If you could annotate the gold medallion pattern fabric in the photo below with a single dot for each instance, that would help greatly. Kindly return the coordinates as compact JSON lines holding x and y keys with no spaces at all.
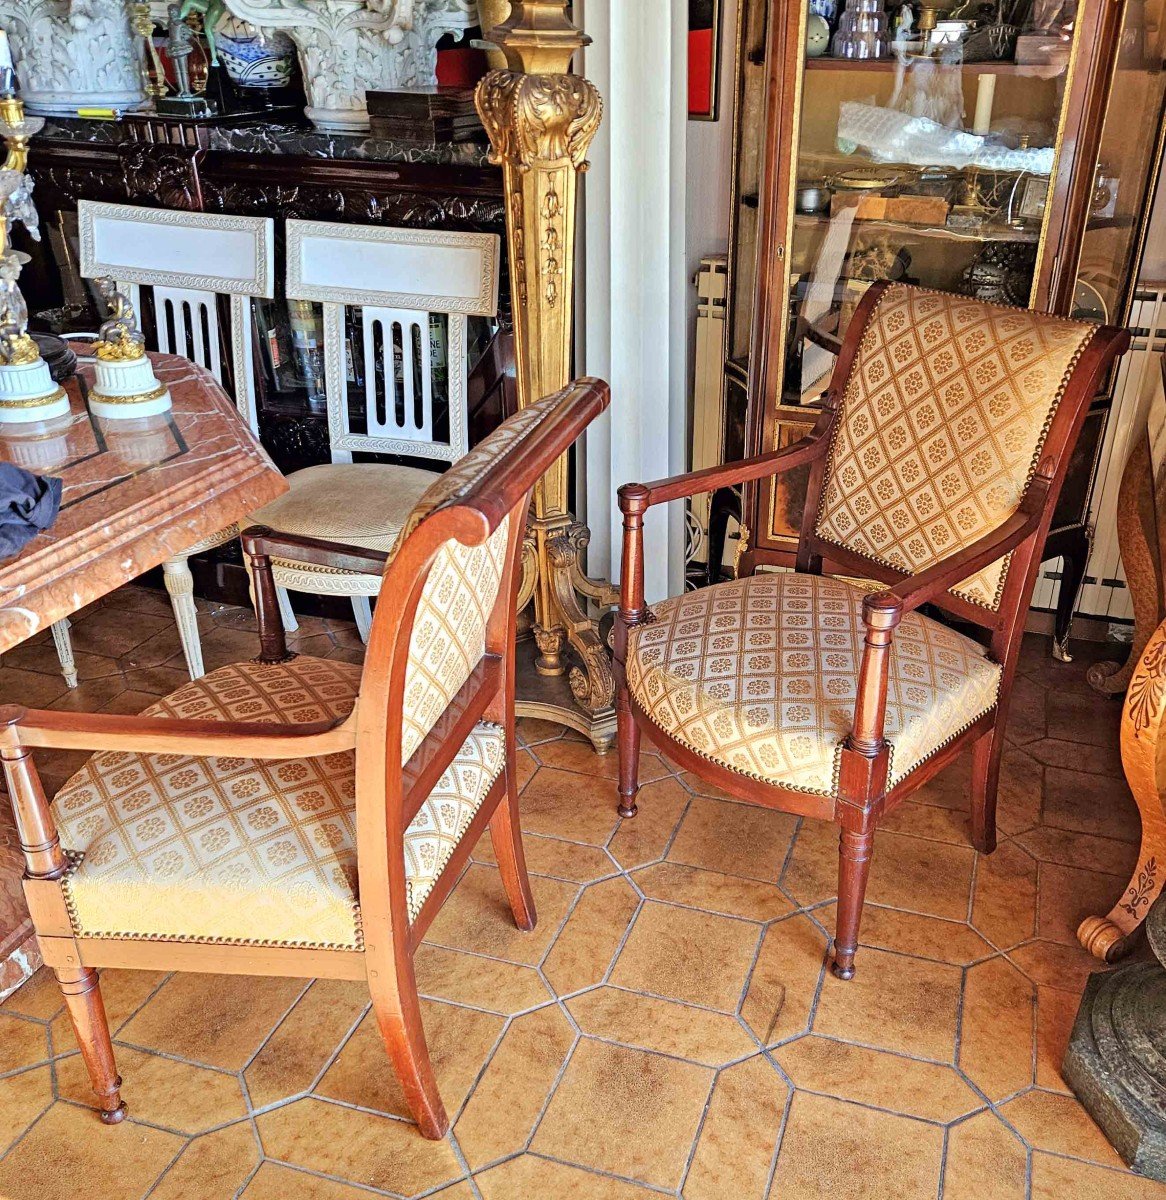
{"x":241,"y":850}
{"x":761,"y":674}
{"x":943,"y":422}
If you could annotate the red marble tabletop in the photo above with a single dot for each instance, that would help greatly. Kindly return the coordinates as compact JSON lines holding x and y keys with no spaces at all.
{"x":136,"y":492}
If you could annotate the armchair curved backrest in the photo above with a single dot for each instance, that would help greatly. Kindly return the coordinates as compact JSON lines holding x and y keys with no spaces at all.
{"x":441,"y":650}
{"x":950,"y":412}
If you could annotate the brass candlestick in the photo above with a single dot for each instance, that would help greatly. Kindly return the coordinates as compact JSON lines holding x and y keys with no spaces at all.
{"x":541,"y":120}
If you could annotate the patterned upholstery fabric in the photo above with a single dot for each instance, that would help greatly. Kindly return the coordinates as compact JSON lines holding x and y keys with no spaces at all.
{"x":944,"y":419}
{"x":232,"y":849}
{"x":760,"y":675}
{"x":448,"y":639}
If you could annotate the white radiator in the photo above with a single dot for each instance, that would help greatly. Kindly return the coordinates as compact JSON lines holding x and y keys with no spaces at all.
{"x":1139,"y":377}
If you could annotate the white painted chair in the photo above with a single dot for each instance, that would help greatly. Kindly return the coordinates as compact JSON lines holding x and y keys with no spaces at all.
{"x":402,"y":278}
{"x":189,"y":260}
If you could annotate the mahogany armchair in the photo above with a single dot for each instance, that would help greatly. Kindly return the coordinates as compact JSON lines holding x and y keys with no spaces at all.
{"x":935,"y":466}
{"x":305,"y":817}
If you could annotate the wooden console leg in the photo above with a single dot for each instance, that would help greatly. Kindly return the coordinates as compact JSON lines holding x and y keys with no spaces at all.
{"x":628,"y":733}
{"x":87,"y":1012}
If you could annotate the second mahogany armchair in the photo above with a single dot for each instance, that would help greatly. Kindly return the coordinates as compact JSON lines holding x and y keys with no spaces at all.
{"x":935,"y":466}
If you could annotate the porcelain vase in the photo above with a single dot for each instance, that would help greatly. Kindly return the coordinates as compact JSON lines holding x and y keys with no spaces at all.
{"x":350,"y":47}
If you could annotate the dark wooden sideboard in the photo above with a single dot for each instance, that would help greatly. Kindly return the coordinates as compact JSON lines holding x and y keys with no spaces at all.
{"x":282,"y":168}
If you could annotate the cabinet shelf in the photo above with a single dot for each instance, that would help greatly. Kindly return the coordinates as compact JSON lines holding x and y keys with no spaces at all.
{"x":1021,"y":70}
{"x":990,"y":233}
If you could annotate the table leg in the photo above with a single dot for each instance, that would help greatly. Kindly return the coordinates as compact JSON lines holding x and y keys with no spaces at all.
{"x":1142,"y":722}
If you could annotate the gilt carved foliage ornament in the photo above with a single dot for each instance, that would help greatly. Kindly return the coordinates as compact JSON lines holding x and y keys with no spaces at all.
{"x":539,"y":118}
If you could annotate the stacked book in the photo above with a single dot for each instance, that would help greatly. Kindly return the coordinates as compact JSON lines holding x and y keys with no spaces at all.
{"x":424,"y":115}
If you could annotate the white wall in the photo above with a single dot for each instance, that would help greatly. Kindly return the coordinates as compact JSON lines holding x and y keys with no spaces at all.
{"x":633,"y":305}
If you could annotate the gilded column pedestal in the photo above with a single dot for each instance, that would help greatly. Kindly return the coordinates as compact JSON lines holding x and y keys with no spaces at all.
{"x":541,"y":120}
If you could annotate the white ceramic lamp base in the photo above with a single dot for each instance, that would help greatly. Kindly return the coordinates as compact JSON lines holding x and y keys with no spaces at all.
{"x":28,"y":393}
{"x":123,"y":390}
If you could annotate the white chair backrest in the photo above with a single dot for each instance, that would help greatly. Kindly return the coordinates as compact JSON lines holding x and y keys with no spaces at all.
{"x":188,"y":259}
{"x":402,"y":278}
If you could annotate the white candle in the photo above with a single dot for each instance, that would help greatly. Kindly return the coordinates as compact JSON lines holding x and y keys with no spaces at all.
{"x":5,"y":52}
{"x":985,"y":94}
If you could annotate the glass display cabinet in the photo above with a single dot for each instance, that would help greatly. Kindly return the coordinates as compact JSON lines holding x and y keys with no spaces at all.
{"x":1005,"y":151}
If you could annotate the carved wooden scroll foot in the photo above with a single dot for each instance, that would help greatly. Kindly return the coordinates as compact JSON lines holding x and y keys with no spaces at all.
{"x":1142,"y":724}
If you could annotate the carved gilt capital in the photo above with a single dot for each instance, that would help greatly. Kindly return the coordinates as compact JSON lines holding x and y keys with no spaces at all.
{"x":549,"y":119}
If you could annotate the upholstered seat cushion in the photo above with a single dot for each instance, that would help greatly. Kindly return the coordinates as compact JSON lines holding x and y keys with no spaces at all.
{"x":360,"y":504}
{"x":233,"y":849}
{"x":760,"y":675}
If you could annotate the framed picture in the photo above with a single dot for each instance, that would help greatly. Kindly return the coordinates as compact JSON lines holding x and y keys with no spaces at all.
{"x":704,"y":52}
{"x":1034,"y":194}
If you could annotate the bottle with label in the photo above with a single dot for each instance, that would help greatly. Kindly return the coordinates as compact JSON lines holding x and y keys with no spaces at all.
{"x":307,"y":337}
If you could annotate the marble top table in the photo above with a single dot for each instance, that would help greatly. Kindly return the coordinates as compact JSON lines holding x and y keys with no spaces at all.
{"x":136,"y":493}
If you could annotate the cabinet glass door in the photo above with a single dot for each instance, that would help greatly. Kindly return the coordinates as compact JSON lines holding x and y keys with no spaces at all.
{"x":927,"y":142}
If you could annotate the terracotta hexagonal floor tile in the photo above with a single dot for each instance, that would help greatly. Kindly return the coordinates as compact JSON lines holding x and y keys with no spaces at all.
{"x":583,"y":952}
{"x":1018,"y":803}
{"x":833,"y":1148}
{"x":1109,"y":855}
{"x":920,"y":875}
{"x":811,"y":874}
{"x":894,"y":1003}
{"x":556,"y":858}
{"x":785,"y":979}
{"x":477,"y":917}
{"x":644,"y":838}
{"x":1057,"y":1123}
{"x":734,"y":1152}
{"x":219,"y":1020}
{"x":1094,"y":804}
{"x":567,"y":805}
{"x":478,"y":982}
{"x":39,"y":997}
{"x":460,"y":1042}
{"x":893,"y":1082}
{"x":122,"y":993}
{"x":513,"y":1090}
{"x":174,"y":1095}
{"x":733,"y":838}
{"x":573,"y":753}
{"x":1054,"y":964}
{"x":23,"y":1043}
{"x":1065,"y":1179}
{"x":74,"y":1154}
{"x":664,"y":1026}
{"x":1004,"y":898}
{"x":694,"y":957}
{"x":997,"y":1028}
{"x":216,"y":1164}
{"x":529,"y":1175}
{"x":356,"y":1146}
{"x":928,"y":821}
{"x":710,"y":891}
{"x":305,"y":1040}
{"x":1055,"y":1013}
{"x":647,"y":1106}
{"x":920,"y":936}
{"x":275,"y":1182}
{"x":984,"y":1159}
{"x":1069,"y":895}
{"x":23,"y":1098}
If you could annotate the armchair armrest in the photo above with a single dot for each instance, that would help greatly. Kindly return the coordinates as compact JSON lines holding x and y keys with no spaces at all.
{"x":22,"y":728}
{"x":945,"y":574}
{"x":259,"y":540}
{"x":639,"y":497}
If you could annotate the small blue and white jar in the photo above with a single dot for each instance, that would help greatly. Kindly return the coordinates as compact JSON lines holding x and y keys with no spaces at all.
{"x":254,"y":57}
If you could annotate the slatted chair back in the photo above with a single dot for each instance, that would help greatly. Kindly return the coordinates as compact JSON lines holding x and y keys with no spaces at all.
{"x":187,"y":260}
{"x":416,"y":290}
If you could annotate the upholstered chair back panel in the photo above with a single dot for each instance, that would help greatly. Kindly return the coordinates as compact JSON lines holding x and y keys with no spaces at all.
{"x":944,"y":419}
{"x":449,"y":630}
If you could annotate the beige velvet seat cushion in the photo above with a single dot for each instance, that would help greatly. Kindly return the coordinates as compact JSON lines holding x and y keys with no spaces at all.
{"x":237,"y":850}
{"x":359,"y":504}
{"x":760,"y":675}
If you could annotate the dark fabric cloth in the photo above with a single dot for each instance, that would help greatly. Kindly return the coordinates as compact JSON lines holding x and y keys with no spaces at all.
{"x":28,"y":504}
